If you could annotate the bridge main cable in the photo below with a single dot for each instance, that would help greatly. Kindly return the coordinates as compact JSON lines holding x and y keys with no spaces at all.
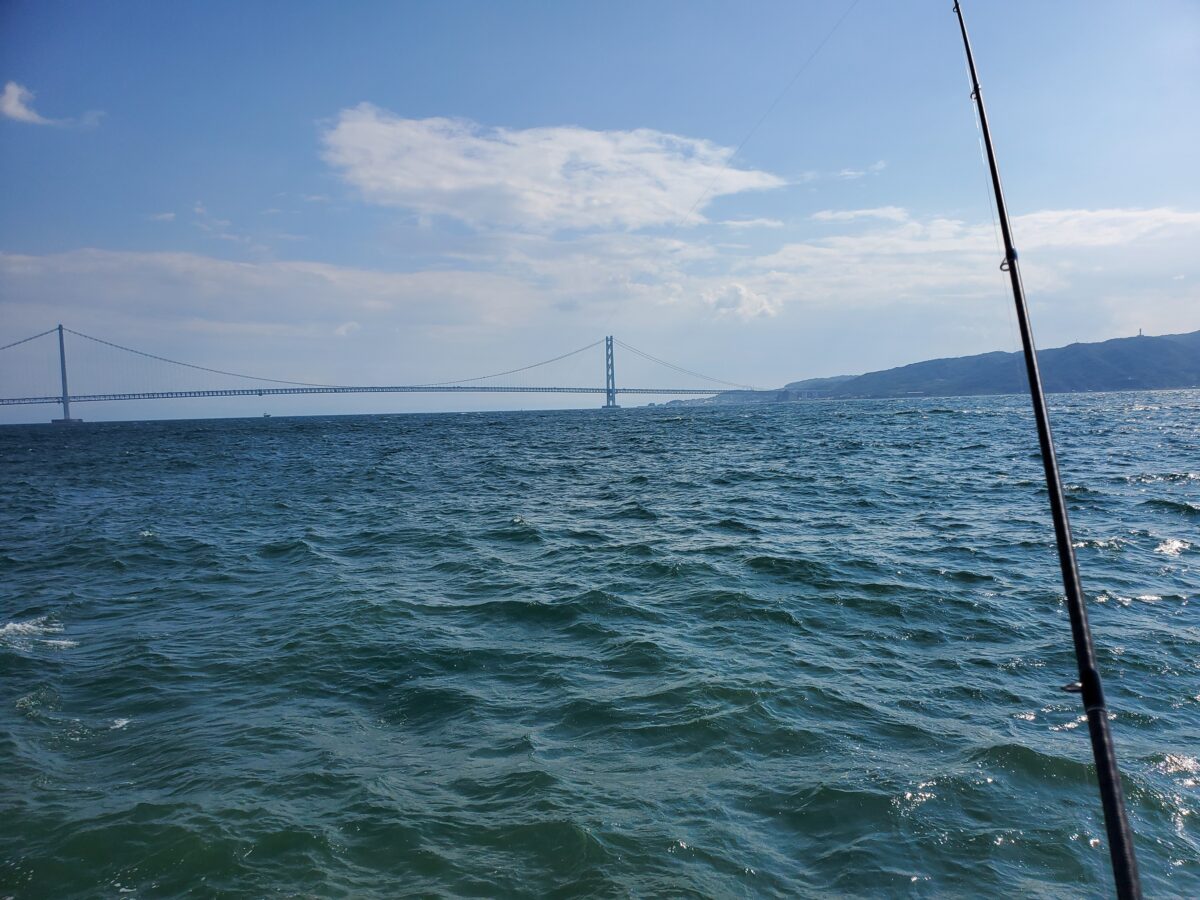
{"x":28,"y":339}
{"x":663,"y":362}
{"x":176,"y":362}
{"x":545,"y":362}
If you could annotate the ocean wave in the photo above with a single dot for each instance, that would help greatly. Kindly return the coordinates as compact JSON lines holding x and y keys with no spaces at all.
{"x":1182,"y":507}
{"x":33,"y":632}
{"x":1172,"y":547}
{"x":1113,"y":543}
{"x":518,"y":531}
{"x":636,"y":511}
{"x":806,"y":571}
{"x":809,"y":652}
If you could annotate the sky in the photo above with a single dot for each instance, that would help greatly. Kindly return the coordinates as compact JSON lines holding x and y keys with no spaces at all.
{"x":412,"y":192}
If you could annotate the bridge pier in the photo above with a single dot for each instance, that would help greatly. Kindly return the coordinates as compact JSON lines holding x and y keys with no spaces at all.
{"x":610,"y":377}
{"x":66,"y":396}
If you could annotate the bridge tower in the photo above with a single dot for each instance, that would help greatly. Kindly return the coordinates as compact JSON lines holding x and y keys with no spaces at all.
{"x":66,"y":396}
{"x":610,"y":377}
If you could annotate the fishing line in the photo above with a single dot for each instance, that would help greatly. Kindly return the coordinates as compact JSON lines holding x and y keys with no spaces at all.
{"x":1014,"y":341}
{"x":749,"y":134}
{"x":770,"y":109}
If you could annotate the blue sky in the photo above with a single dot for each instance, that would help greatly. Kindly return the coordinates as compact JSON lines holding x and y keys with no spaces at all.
{"x":424,"y":191}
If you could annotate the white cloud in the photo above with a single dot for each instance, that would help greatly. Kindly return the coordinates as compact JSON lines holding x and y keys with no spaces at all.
{"x":891,"y":213}
{"x":537,"y":179}
{"x":854,"y":174}
{"x":752,"y":223}
{"x":17,"y":103}
{"x":301,"y":295}
{"x":1099,"y":227}
{"x":161,"y":217}
{"x":1088,"y":253}
{"x":737,"y":299}
{"x":1110,"y":269}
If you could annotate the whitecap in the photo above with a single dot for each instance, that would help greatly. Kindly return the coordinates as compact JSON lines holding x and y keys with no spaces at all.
{"x":118,"y":724}
{"x":1068,"y":726}
{"x":1177,"y":763}
{"x":20,"y":635}
{"x":1172,"y":547}
{"x":1113,"y":543}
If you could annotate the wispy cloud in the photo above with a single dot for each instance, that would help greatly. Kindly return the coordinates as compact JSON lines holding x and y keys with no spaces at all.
{"x":16,"y":102}
{"x":890,"y":213}
{"x":222,"y":229}
{"x":298,"y":294}
{"x":1085,"y":254}
{"x":752,"y":223}
{"x":1111,"y":267}
{"x":161,"y":217}
{"x":536,"y":179}
{"x":853,"y":174}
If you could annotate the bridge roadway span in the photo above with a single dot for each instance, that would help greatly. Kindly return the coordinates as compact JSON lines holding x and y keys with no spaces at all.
{"x":368,"y":389}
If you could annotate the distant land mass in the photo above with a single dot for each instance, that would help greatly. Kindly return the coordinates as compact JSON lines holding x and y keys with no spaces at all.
{"x":1141,"y":363}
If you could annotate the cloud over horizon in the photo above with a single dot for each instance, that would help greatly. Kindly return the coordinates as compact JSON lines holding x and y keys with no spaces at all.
{"x":898,"y":261}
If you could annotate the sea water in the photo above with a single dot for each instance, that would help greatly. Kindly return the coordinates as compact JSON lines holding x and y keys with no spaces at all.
{"x":805,"y":649}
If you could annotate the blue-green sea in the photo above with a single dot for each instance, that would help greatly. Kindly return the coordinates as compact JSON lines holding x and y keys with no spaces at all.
{"x":800,"y":650}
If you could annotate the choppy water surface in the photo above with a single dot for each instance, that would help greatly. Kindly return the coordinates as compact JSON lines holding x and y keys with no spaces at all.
{"x":808,"y":649}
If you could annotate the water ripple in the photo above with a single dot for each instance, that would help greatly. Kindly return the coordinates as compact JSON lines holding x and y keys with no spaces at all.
{"x":793,"y":650}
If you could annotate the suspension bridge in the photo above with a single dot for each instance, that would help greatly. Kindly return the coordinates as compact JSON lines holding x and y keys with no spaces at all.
{"x":257,"y":386}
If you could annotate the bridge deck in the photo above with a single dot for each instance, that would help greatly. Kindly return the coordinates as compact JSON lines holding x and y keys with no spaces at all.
{"x":351,"y":389}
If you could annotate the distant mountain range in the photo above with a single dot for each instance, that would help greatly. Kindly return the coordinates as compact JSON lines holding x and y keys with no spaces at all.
{"x":1122,"y":364}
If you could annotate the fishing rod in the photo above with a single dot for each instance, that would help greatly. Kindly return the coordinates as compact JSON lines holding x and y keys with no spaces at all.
{"x":1120,"y":837}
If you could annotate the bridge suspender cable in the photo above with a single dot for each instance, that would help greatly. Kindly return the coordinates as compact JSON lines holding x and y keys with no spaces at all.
{"x":1120,"y":838}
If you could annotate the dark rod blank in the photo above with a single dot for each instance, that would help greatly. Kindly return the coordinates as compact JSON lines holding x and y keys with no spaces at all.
{"x":1120,"y":838}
